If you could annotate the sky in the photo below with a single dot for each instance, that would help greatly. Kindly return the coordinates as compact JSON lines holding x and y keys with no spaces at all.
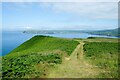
{"x":59,"y":15}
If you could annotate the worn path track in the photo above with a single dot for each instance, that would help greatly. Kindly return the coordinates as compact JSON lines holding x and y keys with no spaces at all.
{"x":75,"y":66}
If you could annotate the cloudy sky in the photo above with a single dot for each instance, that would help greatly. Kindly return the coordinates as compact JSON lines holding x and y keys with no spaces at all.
{"x":59,"y":15}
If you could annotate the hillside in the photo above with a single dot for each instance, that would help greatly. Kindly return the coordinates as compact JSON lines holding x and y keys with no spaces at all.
{"x":112,"y":32}
{"x":103,"y":55}
{"x":51,"y":57}
{"x":39,"y":51}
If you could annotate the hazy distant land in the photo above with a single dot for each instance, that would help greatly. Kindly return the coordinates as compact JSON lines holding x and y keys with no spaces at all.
{"x":111,"y":32}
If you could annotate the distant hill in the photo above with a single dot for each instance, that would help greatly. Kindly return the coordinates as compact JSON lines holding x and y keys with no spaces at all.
{"x":52,"y":31}
{"x":111,"y":32}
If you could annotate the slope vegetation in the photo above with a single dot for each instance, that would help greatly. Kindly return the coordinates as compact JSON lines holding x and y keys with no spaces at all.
{"x":32,"y":58}
{"x":104,"y":55}
{"x":50,"y":57}
{"x":75,"y":66}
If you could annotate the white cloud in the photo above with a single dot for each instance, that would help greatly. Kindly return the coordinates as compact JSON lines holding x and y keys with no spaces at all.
{"x":106,"y":10}
{"x":91,"y":9}
{"x":94,"y":10}
{"x":87,"y":27}
{"x":28,"y":27}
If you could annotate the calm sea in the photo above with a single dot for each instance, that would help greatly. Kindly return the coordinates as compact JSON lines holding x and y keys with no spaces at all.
{"x":12,"y":39}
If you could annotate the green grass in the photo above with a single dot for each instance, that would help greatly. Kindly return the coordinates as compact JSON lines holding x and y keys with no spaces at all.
{"x":104,"y":55}
{"x":25,"y":65}
{"x":45,"y":43}
{"x":33,"y":57}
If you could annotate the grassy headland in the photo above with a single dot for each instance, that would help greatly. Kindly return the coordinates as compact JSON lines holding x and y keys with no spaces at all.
{"x":38,"y":57}
{"x":32,"y":58}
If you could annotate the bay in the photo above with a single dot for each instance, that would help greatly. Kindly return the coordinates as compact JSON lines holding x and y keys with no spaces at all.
{"x":12,"y":39}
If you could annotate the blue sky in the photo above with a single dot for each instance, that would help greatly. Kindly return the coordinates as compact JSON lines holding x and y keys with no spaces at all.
{"x":57,"y":16}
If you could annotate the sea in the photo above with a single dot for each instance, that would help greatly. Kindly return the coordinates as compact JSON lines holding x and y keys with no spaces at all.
{"x":12,"y":39}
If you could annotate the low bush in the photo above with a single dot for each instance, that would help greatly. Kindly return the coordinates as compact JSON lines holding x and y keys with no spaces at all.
{"x":18,"y":67}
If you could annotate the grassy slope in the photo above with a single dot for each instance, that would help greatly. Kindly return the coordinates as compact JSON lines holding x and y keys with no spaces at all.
{"x":32,"y":58}
{"x":45,"y":43}
{"x":38,"y":58}
{"x":81,"y":65}
{"x":75,"y":66}
{"x":104,"y":54}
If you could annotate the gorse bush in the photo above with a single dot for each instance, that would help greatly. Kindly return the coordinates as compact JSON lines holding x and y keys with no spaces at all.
{"x":104,"y":55}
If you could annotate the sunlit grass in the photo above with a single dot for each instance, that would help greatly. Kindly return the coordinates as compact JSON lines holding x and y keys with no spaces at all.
{"x":104,"y":55}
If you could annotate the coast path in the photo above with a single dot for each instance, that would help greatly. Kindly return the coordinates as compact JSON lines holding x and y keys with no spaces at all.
{"x":75,"y":66}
